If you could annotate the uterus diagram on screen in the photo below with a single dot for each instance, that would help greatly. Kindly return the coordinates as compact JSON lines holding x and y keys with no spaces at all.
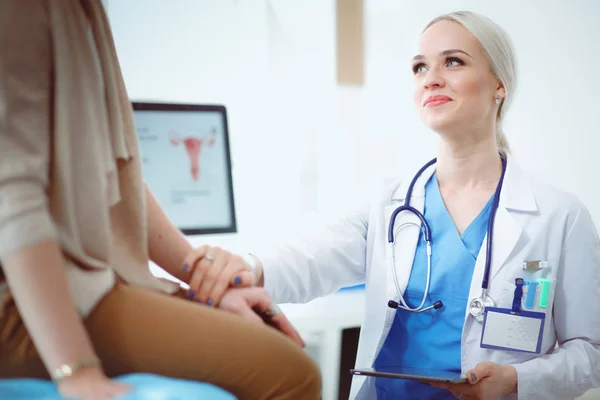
{"x":193,"y":146}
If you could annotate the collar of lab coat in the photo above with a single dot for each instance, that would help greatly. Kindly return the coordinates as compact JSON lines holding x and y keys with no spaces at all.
{"x":517,"y":193}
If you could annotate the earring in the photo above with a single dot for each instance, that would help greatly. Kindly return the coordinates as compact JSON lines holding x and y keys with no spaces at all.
{"x":497,"y":99}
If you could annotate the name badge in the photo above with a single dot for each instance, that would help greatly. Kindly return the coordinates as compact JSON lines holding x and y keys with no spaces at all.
{"x":505,"y":329}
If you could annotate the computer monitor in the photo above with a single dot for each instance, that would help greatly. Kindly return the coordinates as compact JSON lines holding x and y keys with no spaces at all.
{"x":186,"y":164}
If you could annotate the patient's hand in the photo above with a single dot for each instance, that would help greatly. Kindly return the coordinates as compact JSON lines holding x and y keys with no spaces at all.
{"x":212,"y":271}
{"x":91,"y":384}
{"x":254,"y":304}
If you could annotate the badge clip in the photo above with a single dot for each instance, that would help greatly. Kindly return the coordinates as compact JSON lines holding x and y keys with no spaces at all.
{"x":516,"y":306}
{"x":534,"y":265}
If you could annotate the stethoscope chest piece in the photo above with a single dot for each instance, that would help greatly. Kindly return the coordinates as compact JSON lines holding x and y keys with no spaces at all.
{"x":478,"y":305}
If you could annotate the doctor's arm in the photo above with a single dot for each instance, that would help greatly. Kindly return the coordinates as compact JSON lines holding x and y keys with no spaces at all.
{"x":574,"y":366}
{"x":300,"y":271}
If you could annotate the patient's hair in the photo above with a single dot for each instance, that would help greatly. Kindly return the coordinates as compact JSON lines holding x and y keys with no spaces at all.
{"x":500,"y":54}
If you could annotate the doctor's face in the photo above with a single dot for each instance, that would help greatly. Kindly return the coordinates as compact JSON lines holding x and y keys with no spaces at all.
{"x":455,"y":88}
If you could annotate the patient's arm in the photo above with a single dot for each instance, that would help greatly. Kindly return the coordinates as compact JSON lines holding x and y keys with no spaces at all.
{"x":208,"y":279}
{"x":166,"y":244}
{"x":37,"y":278}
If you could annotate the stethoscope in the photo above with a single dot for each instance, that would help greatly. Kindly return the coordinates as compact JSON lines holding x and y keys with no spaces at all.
{"x":477,"y":305}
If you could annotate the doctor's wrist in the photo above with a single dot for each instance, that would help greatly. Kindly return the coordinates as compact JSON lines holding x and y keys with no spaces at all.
{"x":511,"y":378}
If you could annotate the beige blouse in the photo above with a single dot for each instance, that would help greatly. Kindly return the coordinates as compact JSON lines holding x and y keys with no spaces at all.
{"x":69,"y":161}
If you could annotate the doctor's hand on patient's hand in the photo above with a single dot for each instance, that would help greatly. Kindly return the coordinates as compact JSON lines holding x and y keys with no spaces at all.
{"x":255,"y":305}
{"x":211,"y":271}
{"x":486,"y":381}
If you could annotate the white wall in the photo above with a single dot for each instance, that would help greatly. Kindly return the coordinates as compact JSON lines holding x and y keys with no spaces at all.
{"x":302,"y":145}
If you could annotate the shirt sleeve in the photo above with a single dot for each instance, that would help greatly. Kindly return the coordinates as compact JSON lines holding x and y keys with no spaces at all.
{"x":25,"y":118}
{"x":306,"y":268}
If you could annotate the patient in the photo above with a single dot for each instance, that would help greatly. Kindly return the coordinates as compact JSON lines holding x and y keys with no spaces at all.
{"x":78,"y":227}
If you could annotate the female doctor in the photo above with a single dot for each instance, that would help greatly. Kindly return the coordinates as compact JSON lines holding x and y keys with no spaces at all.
{"x":495,"y":234}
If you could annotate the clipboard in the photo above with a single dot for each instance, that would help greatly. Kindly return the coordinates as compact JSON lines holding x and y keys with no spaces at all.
{"x":416,"y":374}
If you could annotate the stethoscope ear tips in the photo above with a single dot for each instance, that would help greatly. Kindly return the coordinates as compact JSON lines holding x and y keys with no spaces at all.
{"x":394,"y":304}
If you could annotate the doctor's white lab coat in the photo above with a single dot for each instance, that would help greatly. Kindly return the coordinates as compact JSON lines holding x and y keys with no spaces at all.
{"x":533,"y":222}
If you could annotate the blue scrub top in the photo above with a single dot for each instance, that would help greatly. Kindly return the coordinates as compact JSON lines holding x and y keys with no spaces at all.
{"x":432,"y":339}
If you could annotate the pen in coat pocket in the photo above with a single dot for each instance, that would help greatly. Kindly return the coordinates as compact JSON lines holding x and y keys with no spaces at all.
{"x":531,"y":294}
{"x":545,"y":292}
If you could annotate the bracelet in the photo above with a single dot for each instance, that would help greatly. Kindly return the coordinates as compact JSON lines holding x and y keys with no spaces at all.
{"x":67,"y":370}
{"x":250,"y":259}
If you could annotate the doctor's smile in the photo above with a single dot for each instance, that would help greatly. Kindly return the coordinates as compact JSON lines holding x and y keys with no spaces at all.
{"x":433,"y":101}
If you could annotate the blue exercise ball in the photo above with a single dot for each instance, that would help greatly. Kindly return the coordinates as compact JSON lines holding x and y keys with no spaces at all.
{"x":145,"y":387}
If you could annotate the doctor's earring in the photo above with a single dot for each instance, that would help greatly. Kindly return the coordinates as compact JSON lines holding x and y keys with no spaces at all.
{"x":497,"y":99}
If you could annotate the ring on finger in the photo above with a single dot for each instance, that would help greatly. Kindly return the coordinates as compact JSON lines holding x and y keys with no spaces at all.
{"x":209,"y":257}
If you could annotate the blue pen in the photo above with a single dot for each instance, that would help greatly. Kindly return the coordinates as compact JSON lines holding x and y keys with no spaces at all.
{"x":516,"y":307}
{"x":531,"y":292}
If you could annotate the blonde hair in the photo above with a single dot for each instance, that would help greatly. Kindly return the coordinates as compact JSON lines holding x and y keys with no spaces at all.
{"x":501,"y":58}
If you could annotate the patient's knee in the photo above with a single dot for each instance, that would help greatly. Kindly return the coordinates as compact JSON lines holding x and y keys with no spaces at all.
{"x":308,"y":380}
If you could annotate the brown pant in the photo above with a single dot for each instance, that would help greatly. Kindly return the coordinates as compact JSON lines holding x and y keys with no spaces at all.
{"x":135,"y":330}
